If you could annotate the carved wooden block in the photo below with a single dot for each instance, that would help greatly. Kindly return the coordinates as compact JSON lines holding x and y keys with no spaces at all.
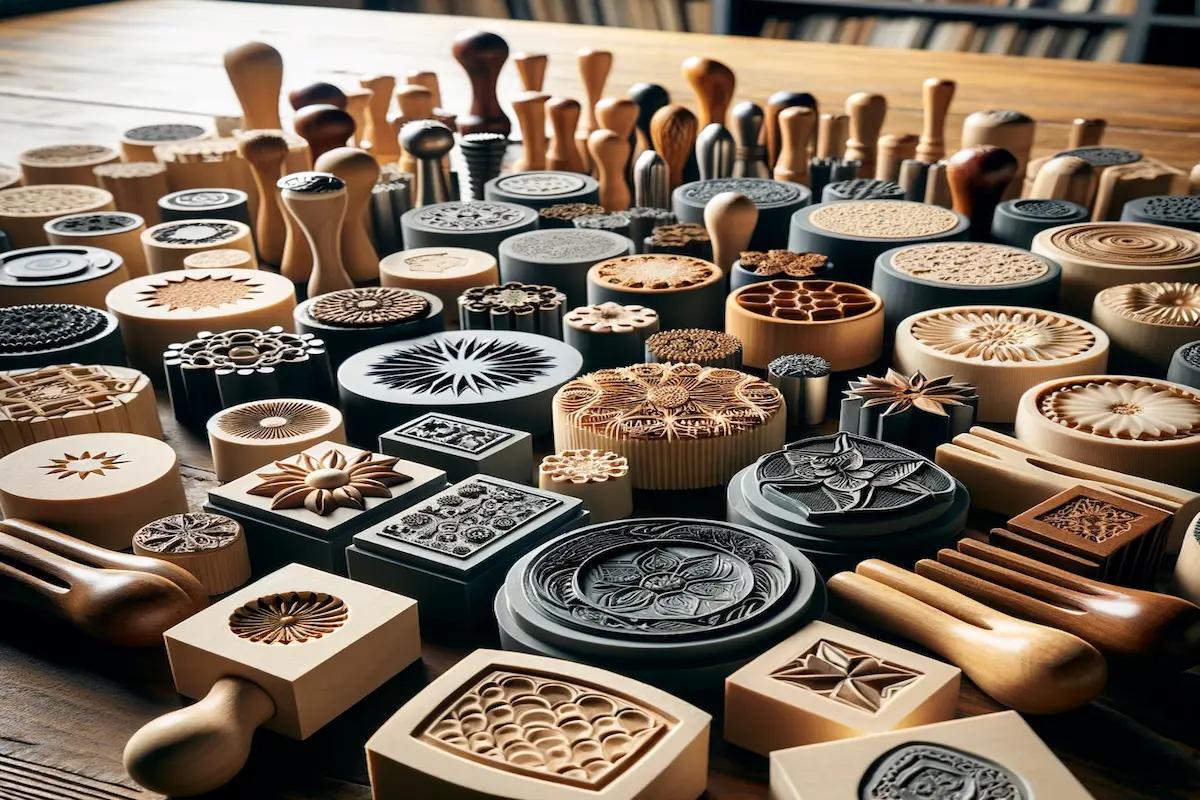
{"x":599,"y":478}
{"x":69,"y":164}
{"x":59,"y":274}
{"x":1007,"y":476}
{"x":1000,"y":350}
{"x":462,"y":447}
{"x":305,"y":508}
{"x":826,"y":683}
{"x":609,"y":335}
{"x":451,"y":552}
{"x":58,"y":333}
{"x":445,"y":272}
{"x":681,"y":426}
{"x":135,"y":187}
{"x":98,"y":487}
{"x":560,"y":258}
{"x":209,"y":546}
{"x":350,"y":320}
{"x":996,"y":755}
{"x":1140,"y":426}
{"x":694,"y":346}
{"x":1097,"y":255}
{"x":50,"y":402}
{"x":243,"y":437}
{"x":686,"y":292}
{"x":1147,"y":323}
{"x":841,"y":322}
{"x":159,"y":310}
{"x":627,"y":740}
{"x":117,"y":232}
{"x":25,"y":210}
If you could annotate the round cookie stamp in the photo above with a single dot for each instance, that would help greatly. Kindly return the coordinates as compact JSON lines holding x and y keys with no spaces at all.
{"x":777,"y":201}
{"x":543,"y":188}
{"x":686,"y":292}
{"x":1147,"y":323}
{"x":58,"y":333}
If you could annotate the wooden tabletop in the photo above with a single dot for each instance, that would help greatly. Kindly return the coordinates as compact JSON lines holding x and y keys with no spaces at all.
{"x":67,"y":705}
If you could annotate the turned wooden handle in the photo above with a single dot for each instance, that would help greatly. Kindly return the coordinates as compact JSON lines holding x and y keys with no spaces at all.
{"x":564,"y":119}
{"x":324,"y":127}
{"x":978,"y":178}
{"x":618,"y":114}
{"x":936,"y":94}
{"x":730,"y":218}
{"x":867,"y":112}
{"x":776,"y":105}
{"x":795,"y":131}
{"x":893,"y":149}
{"x":202,"y":746}
{"x":482,"y":56}
{"x":714,"y":84}
{"x":256,"y":72}
{"x":320,"y":217}
{"x":530,"y":110}
{"x":1066,"y":178}
{"x":594,"y":66}
{"x":266,"y":154}
{"x":531,"y":67}
{"x":427,"y":79}
{"x":832,"y":131}
{"x":414,"y":101}
{"x":673,"y":132}
{"x":360,"y":172}
{"x":379,"y":138}
{"x":610,"y":151}
{"x":1086,"y":133}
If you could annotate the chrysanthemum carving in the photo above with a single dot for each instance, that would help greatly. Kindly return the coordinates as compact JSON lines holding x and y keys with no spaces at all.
{"x":273,"y":419}
{"x":1156,"y":303}
{"x":331,"y":482}
{"x":611,"y":318}
{"x":584,"y":466}
{"x":289,"y":618}
{"x":1140,"y":410}
{"x":900,"y":394}
{"x":1004,"y":335}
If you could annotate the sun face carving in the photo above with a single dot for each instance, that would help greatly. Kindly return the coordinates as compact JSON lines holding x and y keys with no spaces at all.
{"x":193,"y":294}
{"x":1003,"y":335}
{"x":289,"y":618}
{"x":1141,"y":410}
{"x":329,"y":483}
{"x":1156,"y":303}
{"x":83,"y":465}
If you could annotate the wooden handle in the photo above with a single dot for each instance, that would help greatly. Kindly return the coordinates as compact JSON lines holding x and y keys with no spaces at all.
{"x":324,"y":128}
{"x":832,"y":131}
{"x":714,"y":84}
{"x":866,"y":112}
{"x":673,"y":132}
{"x":318,"y":94}
{"x":649,"y":97}
{"x":482,"y":56}
{"x":893,"y":150}
{"x":256,"y":72}
{"x":594,"y":66}
{"x":1086,"y":133}
{"x":77,"y":550}
{"x":936,"y":95}
{"x":266,"y":153}
{"x":795,"y":131}
{"x":1066,"y":178}
{"x":610,"y":151}
{"x":429,"y":80}
{"x":203,"y":746}
{"x":414,"y":102}
{"x":730,"y":218}
{"x":360,"y":172}
{"x":776,"y":105}
{"x":531,"y":67}
{"x":564,"y":119}
{"x":320,"y":218}
{"x":978,"y":178}
{"x":617,"y":114}
{"x":530,"y":110}
{"x":378,"y":138}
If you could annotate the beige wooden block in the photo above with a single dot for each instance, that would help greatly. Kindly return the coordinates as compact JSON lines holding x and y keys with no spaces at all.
{"x":1148,"y":322}
{"x":47,"y":403}
{"x":1000,"y":350}
{"x":1007,"y":477}
{"x":118,"y":232}
{"x":64,"y":163}
{"x":993,"y":756}
{"x":167,"y":244}
{"x":1187,"y":567}
{"x":313,"y":669}
{"x":25,"y":210}
{"x":825,"y":683}
{"x":211,"y":547}
{"x":245,"y":437}
{"x":135,"y":187}
{"x":99,"y":487}
{"x":158,"y":310}
{"x":553,"y":730}
{"x":445,"y":272}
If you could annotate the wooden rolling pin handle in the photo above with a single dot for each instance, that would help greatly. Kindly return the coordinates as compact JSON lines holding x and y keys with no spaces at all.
{"x":949,"y":602}
{"x":202,"y":746}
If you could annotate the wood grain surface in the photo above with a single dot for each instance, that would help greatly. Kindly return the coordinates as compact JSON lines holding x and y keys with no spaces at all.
{"x":68,"y":704}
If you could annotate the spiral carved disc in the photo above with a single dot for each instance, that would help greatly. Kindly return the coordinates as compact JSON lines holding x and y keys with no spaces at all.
{"x":1128,"y":244}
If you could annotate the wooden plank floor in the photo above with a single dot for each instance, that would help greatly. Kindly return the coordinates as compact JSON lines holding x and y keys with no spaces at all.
{"x":67,"y":705}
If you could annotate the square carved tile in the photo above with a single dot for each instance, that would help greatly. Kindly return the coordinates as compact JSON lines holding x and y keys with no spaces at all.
{"x":1125,"y":539}
{"x":525,"y":727}
{"x":826,"y":682}
{"x":462,"y":447}
{"x":995,"y":756}
{"x":316,"y":643}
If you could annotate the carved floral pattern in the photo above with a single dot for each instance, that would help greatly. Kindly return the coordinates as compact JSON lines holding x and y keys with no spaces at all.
{"x":1003,"y":335}
{"x":473,"y":216}
{"x":847,"y":675}
{"x":1140,"y":410}
{"x":668,"y":581}
{"x":273,"y":419}
{"x":331,"y":482}
{"x":368,"y":307}
{"x":1156,"y":303}
{"x":187,"y":533}
{"x":611,"y":318}
{"x":289,"y":618}
{"x":1092,"y":519}
{"x":655,"y":271}
{"x":584,"y":466}
{"x":900,"y":393}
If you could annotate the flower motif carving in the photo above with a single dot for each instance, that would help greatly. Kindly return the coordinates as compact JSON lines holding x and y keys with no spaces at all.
{"x":289,"y":618}
{"x":331,"y":482}
{"x":900,"y":393}
{"x":460,"y":366}
{"x":668,"y":401}
{"x":1139,"y":410}
{"x":847,"y":675}
{"x":273,"y":419}
{"x":923,"y":771}
{"x":1092,"y":519}
{"x":1003,"y":335}
{"x":655,"y":271}
{"x":83,"y":465}
{"x":584,"y":466}
{"x":666,"y":582}
{"x":612,"y":318}
{"x":368,"y":307}
{"x":1156,"y":303}
{"x":188,"y":533}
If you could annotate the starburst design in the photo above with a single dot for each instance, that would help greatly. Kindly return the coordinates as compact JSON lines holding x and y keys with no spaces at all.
{"x":459,"y":366}
{"x":187,"y":533}
{"x":368,"y":307}
{"x":900,"y":394}
{"x":331,"y":482}
{"x":83,"y":464}
{"x":1140,"y":410}
{"x":289,"y":618}
{"x":273,"y":419}
{"x":193,"y":294}
{"x":1156,"y":303}
{"x":847,"y":675}
{"x":1004,"y":335}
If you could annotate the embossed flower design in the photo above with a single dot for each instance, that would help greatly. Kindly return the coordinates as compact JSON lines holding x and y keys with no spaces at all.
{"x":1156,"y":303}
{"x":1126,"y":410}
{"x":289,"y":618}
{"x":187,"y":533}
{"x":902,"y":393}
{"x":331,"y":482}
{"x":584,"y":466}
{"x":1003,"y":335}
{"x":1094,"y":520}
{"x":666,"y":584}
{"x":369,"y":306}
{"x":847,"y":675}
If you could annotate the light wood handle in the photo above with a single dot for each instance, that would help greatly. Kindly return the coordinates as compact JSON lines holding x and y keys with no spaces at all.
{"x":378,"y":138}
{"x":414,"y":102}
{"x":795,"y":131}
{"x":531,"y":67}
{"x":776,"y":105}
{"x":430,"y":81}
{"x":673,"y":132}
{"x":950,"y":602}
{"x":1066,"y":178}
{"x":714,"y":84}
{"x":1086,"y":133}
{"x":320,"y":218}
{"x":594,"y":66}
{"x":256,"y":72}
{"x":618,"y":114}
{"x":530,"y":110}
{"x":562,"y":154}
{"x":360,"y":172}
{"x":610,"y":151}
{"x":893,"y":150}
{"x":867,"y":112}
{"x":832,"y":131}
{"x":730,"y":218}
{"x":936,"y":94}
{"x":203,"y":746}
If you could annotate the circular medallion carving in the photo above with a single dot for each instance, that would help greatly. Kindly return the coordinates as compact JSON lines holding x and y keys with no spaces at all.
{"x":884,"y":219}
{"x":1142,"y":410}
{"x":289,"y":618}
{"x":762,"y":191}
{"x":1125,"y":244}
{"x":541,"y":184}
{"x":656,"y":271}
{"x":969,"y":264}
{"x":473,"y":216}
{"x":368,"y":307}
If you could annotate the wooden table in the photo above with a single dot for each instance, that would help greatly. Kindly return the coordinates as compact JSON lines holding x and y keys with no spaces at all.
{"x":67,"y":705}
